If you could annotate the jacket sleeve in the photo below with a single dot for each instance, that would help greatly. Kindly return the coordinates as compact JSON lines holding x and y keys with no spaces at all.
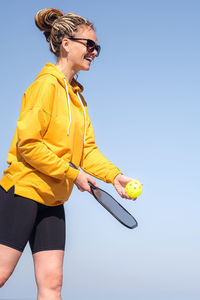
{"x":93,"y":161}
{"x":31,"y":127}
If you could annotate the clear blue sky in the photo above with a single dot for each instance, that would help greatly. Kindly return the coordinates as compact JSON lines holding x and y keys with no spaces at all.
{"x":143,"y":97}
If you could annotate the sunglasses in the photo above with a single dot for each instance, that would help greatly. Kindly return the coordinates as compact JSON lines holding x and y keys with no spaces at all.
{"x":91,"y":46}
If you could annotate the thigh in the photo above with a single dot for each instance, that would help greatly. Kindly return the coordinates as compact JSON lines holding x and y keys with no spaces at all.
{"x":48,"y":267}
{"x":8,"y":260}
{"x":49,"y":229}
{"x":17,"y":218}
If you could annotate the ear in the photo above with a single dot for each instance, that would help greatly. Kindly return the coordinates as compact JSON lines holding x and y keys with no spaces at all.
{"x":65,"y":44}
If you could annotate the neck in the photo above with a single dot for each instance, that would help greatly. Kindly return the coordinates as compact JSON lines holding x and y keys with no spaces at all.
{"x":66,"y":69}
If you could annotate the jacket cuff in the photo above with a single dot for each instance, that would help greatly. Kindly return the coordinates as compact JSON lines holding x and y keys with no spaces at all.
{"x":113,"y":175}
{"x":72,"y":173}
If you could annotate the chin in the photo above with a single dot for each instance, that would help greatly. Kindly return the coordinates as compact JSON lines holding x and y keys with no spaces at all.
{"x":86,"y":68}
{"x":83,"y":67}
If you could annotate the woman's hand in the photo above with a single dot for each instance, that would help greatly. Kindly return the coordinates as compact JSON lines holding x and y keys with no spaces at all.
{"x":120,"y":183}
{"x":81,"y":182}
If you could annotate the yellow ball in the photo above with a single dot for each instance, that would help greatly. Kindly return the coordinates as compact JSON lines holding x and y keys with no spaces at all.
{"x":133,"y":188}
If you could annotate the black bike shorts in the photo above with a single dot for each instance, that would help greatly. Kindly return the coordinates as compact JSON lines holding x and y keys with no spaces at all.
{"x":23,"y":220}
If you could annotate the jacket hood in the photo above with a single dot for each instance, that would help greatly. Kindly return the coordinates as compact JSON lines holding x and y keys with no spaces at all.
{"x":49,"y":68}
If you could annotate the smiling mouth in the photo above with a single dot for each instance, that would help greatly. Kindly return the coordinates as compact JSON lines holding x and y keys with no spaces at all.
{"x":88,"y":59}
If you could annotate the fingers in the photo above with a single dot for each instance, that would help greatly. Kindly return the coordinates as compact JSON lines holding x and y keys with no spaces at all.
{"x":82,"y":182}
{"x":84,"y":187}
{"x":120,"y":183}
{"x":91,"y":180}
{"x":124,"y":195}
{"x":120,"y":188}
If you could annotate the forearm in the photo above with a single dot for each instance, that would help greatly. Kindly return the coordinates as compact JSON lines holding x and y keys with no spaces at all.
{"x":41,"y":158}
{"x":95,"y":164}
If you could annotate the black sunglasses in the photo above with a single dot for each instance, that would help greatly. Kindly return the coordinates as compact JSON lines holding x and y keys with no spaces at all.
{"x":91,"y":46}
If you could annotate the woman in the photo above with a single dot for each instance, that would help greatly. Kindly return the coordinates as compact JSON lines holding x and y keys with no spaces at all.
{"x":53,"y":130}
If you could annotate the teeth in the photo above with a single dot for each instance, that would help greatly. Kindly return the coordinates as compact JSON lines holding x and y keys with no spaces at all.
{"x":88,"y":58}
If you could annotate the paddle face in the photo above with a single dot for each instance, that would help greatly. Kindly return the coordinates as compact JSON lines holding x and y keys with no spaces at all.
{"x":111,"y":205}
{"x":116,"y":209}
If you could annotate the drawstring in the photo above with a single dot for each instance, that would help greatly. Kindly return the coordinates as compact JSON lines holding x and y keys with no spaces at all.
{"x":84,"y":113}
{"x":68,"y":101}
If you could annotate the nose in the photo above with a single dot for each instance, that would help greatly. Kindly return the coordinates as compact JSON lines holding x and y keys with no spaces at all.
{"x":95,"y":52}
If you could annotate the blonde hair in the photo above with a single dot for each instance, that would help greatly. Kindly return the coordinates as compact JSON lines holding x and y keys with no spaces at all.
{"x":55,"y":26}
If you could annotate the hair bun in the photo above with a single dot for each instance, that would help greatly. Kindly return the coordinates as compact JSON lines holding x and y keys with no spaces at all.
{"x":55,"y":26}
{"x":45,"y":18}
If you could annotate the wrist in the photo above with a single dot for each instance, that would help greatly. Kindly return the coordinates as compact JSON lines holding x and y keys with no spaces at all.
{"x":117,"y":177}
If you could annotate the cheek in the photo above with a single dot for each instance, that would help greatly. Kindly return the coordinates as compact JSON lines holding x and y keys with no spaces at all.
{"x":79,"y":55}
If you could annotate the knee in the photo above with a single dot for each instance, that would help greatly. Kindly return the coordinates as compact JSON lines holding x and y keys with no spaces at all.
{"x":52,"y":281}
{"x":55,"y":281}
{"x":3,"y":278}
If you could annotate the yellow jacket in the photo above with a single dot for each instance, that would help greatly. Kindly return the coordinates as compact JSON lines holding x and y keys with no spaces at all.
{"x":53,"y":130}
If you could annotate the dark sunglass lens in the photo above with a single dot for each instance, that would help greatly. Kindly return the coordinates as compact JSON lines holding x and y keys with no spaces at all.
{"x":98,"y":48}
{"x":91,"y":46}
